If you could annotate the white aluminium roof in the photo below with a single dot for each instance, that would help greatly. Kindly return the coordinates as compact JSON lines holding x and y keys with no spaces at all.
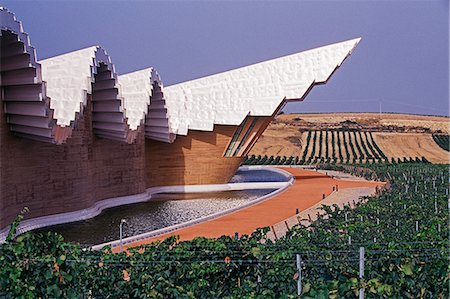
{"x":69,"y":79}
{"x":227,"y":98}
{"x":60,"y":87}
{"x":136,"y":90}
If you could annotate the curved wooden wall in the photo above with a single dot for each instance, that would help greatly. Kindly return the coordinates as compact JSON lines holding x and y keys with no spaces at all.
{"x":197,"y":158}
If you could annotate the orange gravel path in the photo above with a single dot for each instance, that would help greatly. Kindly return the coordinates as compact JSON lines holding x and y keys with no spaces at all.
{"x":306,"y":191}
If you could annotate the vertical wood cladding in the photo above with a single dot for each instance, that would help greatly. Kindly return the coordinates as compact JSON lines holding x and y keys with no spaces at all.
{"x":197,"y":158}
{"x":52,"y":179}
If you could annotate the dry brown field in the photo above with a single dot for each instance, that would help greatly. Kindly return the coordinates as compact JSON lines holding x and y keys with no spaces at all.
{"x":397,"y":135}
{"x":411,"y":145}
{"x":409,"y":121}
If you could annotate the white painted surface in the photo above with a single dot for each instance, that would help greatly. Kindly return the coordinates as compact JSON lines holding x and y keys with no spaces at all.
{"x":223,"y":99}
{"x":137,"y":91}
{"x":227,"y":98}
{"x":69,"y":79}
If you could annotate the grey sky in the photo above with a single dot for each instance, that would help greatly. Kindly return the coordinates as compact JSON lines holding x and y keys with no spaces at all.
{"x":402,"y":60}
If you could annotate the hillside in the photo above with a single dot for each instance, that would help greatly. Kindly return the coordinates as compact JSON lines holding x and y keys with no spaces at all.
{"x":352,"y":137}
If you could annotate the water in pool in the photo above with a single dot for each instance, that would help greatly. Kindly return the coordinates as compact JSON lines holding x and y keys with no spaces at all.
{"x":162,"y":211}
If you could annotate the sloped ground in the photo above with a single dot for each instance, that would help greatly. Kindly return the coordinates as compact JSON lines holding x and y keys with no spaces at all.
{"x":411,"y":145}
{"x":281,"y":140}
{"x":397,"y":135}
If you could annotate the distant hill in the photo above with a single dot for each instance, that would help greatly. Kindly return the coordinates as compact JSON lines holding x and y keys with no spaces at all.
{"x":355,"y":137}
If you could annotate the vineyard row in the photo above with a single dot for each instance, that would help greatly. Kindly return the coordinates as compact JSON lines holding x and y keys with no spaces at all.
{"x":343,"y":145}
{"x":291,"y":160}
{"x":443,"y":141}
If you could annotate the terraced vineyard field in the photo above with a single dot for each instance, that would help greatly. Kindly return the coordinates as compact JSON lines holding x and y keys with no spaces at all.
{"x":353,"y":138}
{"x":334,"y":146}
{"x":342,"y":145}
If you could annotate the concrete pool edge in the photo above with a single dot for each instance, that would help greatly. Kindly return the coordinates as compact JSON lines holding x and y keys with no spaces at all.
{"x":98,"y":207}
{"x":159,"y":232}
{"x":308,"y":189}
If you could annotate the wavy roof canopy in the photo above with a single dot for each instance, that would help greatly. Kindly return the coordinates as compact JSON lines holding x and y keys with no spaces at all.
{"x":257,"y":90}
{"x":44,"y":99}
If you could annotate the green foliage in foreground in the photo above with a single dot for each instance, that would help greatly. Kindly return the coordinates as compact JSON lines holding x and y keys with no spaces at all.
{"x":401,"y":262}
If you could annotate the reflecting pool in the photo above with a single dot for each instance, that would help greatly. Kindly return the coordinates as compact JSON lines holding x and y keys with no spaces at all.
{"x":163,"y":210}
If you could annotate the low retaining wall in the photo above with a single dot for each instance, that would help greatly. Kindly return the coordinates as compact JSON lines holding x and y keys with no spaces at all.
{"x":98,"y":207}
{"x":156,"y":233}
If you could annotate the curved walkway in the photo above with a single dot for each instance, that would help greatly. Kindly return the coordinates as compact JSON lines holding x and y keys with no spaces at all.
{"x":308,"y":190}
{"x":344,"y":196}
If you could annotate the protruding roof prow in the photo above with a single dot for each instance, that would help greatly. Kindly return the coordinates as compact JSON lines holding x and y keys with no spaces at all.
{"x":258,"y":89}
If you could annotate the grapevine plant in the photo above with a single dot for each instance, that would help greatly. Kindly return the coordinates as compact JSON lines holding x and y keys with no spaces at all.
{"x":404,"y":230}
{"x":443,"y":141}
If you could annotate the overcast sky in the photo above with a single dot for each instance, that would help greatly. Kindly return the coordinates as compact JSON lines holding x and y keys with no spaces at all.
{"x":402,"y":60}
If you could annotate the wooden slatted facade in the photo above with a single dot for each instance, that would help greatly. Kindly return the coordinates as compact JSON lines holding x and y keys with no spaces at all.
{"x":193,"y":159}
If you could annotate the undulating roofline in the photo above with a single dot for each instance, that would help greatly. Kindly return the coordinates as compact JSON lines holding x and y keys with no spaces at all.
{"x":44,"y":99}
{"x":257,"y":90}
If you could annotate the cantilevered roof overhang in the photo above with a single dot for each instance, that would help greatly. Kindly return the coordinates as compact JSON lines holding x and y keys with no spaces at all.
{"x":43,"y":99}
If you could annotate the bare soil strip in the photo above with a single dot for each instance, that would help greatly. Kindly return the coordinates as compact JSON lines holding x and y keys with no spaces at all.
{"x":411,"y":145}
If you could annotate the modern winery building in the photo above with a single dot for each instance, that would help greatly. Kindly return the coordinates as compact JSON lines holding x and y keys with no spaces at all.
{"x":73,"y":132}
